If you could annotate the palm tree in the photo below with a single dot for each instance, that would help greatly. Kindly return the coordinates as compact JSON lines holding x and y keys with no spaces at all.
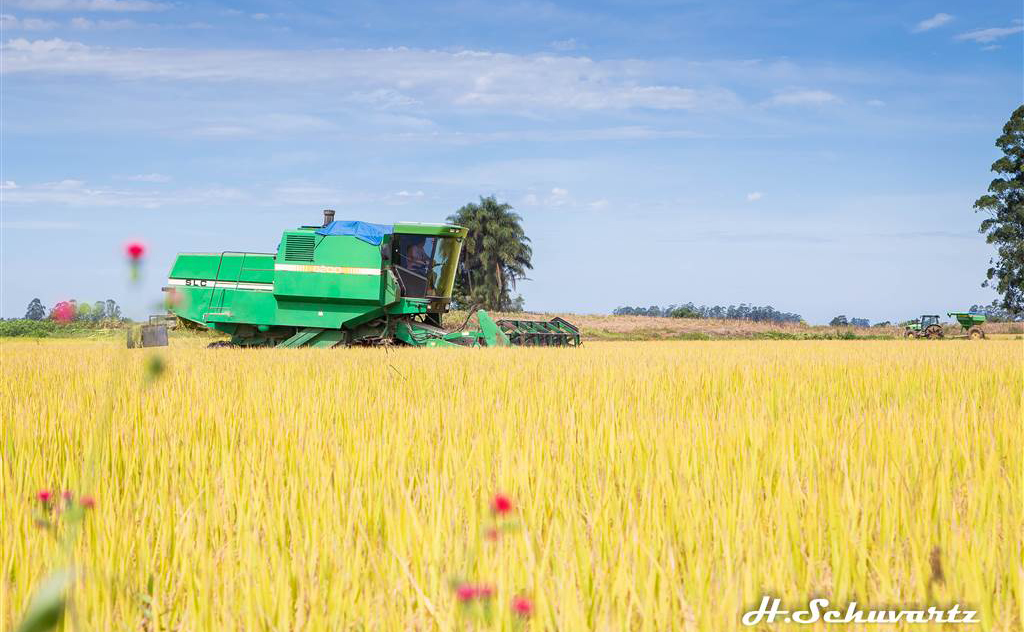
{"x":495,"y":255}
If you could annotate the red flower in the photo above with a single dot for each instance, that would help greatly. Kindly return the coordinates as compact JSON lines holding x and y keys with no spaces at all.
{"x":485,"y":591}
{"x":135,"y":250}
{"x":44,"y":496}
{"x":522,"y":606}
{"x":87,"y":501}
{"x":492,"y":534}
{"x":66,"y":495}
{"x":465,"y":593}
{"x":501,"y":504}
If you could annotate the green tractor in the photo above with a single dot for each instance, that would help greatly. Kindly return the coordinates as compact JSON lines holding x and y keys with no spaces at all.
{"x":343,"y":283}
{"x":927,"y":326}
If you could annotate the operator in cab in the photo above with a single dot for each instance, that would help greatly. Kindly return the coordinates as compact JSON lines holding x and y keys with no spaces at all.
{"x":416,"y":259}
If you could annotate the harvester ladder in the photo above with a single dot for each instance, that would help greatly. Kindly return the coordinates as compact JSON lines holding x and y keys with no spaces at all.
{"x":238,"y":277}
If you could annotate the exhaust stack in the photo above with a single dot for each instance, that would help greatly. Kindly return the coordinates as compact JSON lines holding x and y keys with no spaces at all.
{"x":328,"y":216}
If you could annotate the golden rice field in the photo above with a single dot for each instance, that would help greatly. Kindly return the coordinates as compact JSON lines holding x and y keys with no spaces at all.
{"x":655,"y":486}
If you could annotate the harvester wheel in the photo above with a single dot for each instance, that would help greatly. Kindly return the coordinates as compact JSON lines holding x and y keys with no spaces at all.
{"x":975,"y":333}
{"x":934,"y":331}
{"x":220,"y":344}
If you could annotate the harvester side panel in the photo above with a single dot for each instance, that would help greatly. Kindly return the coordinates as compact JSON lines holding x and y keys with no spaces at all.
{"x":327,"y":283}
{"x":263,"y":308}
{"x":231,"y":266}
{"x":314,"y":267}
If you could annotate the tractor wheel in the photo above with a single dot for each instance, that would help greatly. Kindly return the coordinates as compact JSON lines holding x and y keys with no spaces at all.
{"x":909,"y":334}
{"x":976,"y":333}
{"x":934,"y":332}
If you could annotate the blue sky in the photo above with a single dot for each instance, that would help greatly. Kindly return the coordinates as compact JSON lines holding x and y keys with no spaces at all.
{"x":821,"y":157}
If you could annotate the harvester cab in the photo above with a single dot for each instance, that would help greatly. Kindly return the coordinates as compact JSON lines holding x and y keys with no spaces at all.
{"x":343,"y":283}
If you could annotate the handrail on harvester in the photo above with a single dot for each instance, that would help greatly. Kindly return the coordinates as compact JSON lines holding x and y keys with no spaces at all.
{"x":238,"y":279}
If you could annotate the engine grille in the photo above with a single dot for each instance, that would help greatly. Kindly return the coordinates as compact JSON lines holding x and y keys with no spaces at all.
{"x":299,"y":247}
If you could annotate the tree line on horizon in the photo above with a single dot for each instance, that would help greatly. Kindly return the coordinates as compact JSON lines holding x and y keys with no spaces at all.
{"x":742,"y":311}
{"x":75,"y":311}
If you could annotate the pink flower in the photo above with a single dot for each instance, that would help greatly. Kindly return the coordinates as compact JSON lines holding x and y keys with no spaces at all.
{"x":501,"y":504}
{"x":522,"y":606}
{"x":468,"y":592}
{"x":44,"y":496}
{"x":492,"y":534}
{"x":63,"y":312}
{"x":66,"y":495}
{"x":135,"y":250}
{"x":465,"y":593}
{"x":173,"y":298}
{"x":87,"y":501}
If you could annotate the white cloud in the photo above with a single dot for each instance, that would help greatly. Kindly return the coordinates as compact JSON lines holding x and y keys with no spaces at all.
{"x":382,"y":98}
{"x":223,"y":131}
{"x":628,"y":132}
{"x":40,"y":225}
{"x":8,"y":184}
{"x":77,"y":193}
{"x":13,"y":23}
{"x":558,"y":197}
{"x":934,"y":22}
{"x":259,"y":16}
{"x":307,"y":195}
{"x":565,"y":45}
{"x":754,"y":196}
{"x":85,"y":24}
{"x":90,"y":5}
{"x":876,"y":103}
{"x":410,"y":194}
{"x":148,"y":177}
{"x":264,"y":125}
{"x":984,"y":36}
{"x":35,"y":48}
{"x":803,"y":97}
{"x":398,"y":77}
{"x":599,"y":205}
{"x":63,"y":185}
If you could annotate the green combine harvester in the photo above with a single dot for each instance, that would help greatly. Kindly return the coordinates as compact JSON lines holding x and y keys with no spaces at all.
{"x":343,"y":283}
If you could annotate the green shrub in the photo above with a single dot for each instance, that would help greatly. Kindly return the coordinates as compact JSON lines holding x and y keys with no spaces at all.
{"x":20,"y":327}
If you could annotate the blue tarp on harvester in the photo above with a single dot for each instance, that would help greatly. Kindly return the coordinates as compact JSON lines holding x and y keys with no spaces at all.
{"x":370,"y":233}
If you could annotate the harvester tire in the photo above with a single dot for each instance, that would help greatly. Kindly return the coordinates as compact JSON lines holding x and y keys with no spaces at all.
{"x":976,"y":333}
{"x":220,"y":344}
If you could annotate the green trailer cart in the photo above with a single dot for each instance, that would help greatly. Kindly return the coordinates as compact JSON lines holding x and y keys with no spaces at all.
{"x":343,"y":283}
{"x":970,"y":324}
